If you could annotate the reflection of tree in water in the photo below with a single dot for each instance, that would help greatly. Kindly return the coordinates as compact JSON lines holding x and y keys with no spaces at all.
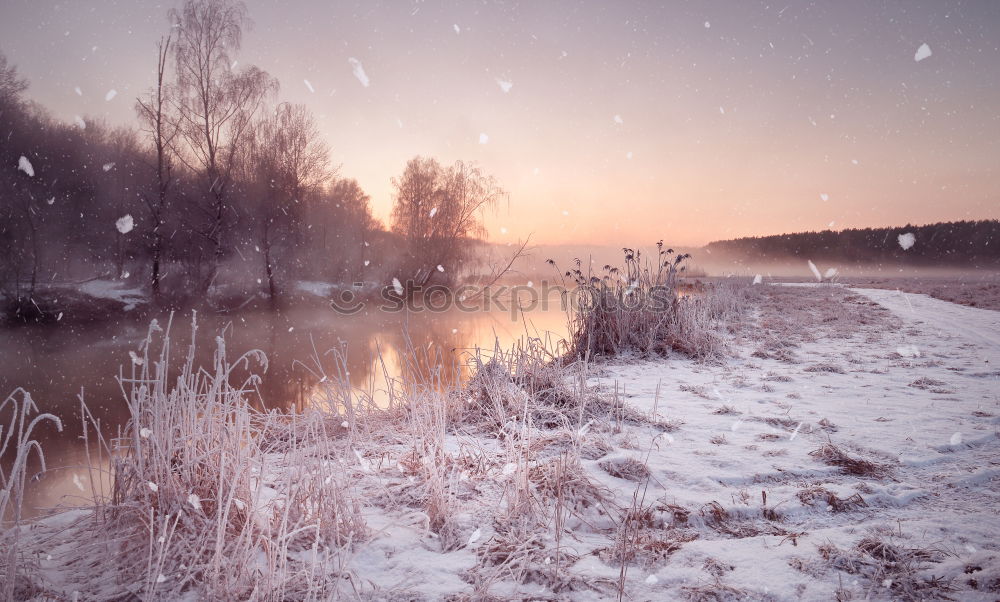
{"x":366,"y":349}
{"x":424,"y":349}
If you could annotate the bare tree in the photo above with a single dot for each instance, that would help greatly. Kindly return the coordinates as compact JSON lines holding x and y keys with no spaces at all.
{"x":215,"y":104}
{"x":286,"y":164}
{"x":12,"y":85}
{"x":339,"y":231}
{"x":438,"y":212}
{"x":19,"y":209}
{"x":155,"y":122}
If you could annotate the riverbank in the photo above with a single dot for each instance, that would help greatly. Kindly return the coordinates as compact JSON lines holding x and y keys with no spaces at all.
{"x":844,"y":448}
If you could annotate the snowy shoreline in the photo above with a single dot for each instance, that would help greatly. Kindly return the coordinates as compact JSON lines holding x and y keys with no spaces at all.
{"x":840,"y":434}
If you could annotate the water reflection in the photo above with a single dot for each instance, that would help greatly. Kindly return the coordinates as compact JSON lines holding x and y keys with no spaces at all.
{"x":57,"y":365}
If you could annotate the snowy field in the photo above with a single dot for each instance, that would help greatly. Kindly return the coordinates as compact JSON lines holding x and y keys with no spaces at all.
{"x":915,"y":393}
{"x":847,"y":449}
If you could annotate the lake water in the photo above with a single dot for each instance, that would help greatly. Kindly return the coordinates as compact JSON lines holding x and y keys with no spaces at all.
{"x":56,"y":363}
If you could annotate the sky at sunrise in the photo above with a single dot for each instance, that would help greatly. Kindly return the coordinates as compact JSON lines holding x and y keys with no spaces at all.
{"x":607,"y":122}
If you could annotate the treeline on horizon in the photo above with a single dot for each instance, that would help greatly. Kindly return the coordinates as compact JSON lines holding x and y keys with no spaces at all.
{"x":972,"y":244}
{"x":219,"y":191}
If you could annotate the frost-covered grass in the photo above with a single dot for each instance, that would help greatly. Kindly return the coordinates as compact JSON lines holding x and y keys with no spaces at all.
{"x":637,"y":308}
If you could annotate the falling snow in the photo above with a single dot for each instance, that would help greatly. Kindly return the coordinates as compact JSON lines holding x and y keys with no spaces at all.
{"x":110,"y":95}
{"x":923,"y":52}
{"x":475,"y":536}
{"x":906,"y":240}
{"x":359,"y":71}
{"x":815,"y":271}
{"x":125,"y":224}
{"x":24,"y":165}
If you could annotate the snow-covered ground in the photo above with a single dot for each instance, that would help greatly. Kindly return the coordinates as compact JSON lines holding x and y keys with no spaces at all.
{"x":114,"y":290}
{"x":847,"y":449}
{"x":916,"y":393}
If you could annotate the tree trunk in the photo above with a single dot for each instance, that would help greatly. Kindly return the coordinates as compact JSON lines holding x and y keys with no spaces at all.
{"x":156,"y":265}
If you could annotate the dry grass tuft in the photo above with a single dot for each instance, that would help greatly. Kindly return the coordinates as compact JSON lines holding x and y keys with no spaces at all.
{"x":813,"y":495}
{"x":637,"y":309}
{"x":827,"y":368}
{"x":832,"y":455}
{"x":720,"y":520}
{"x":16,"y":447}
{"x":887,"y":566}
{"x":925,"y":382}
{"x":629,"y":469}
{"x":647,"y":548}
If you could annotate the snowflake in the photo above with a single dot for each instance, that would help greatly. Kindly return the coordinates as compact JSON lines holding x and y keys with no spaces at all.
{"x":359,"y":71}
{"x":815,"y":271}
{"x":923,"y":52}
{"x":125,"y":224}
{"x":24,"y":165}
{"x":475,"y":536}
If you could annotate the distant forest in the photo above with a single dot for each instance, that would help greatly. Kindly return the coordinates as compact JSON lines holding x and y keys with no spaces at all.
{"x":972,"y":244}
